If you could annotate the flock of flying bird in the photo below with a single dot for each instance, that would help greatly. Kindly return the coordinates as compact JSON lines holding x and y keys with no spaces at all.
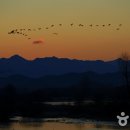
{"x":23,"y":31}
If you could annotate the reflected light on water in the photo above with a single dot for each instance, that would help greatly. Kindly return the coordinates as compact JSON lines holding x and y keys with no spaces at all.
{"x":60,"y":126}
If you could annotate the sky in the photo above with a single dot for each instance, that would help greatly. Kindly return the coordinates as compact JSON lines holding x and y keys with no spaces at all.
{"x":85,"y":43}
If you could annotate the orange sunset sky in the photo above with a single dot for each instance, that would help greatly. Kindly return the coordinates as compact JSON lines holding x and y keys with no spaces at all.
{"x":96,"y":42}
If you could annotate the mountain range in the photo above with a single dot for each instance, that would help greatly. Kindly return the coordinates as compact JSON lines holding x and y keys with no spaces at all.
{"x":53,"y":72}
{"x":39,"y":67}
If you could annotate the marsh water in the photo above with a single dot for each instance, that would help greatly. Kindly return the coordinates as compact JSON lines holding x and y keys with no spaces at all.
{"x":60,"y":124}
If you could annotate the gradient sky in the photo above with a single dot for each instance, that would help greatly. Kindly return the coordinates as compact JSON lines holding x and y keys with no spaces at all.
{"x":72,"y":42}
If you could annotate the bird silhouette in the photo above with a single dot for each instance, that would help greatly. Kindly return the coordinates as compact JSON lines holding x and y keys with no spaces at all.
{"x":118,"y":29}
{"x":52,"y":25}
{"x":21,"y":30}
{"x":81,"y":25}
{"x":55,"y":33}
{"x":71,"y":24}
{"x":39,"y":28}
{"x":12,"y":32}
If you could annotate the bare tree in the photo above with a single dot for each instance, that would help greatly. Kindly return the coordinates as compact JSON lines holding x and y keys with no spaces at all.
{"x":124,"y":68}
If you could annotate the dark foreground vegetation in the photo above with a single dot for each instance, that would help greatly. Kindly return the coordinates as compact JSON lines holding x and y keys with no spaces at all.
{"x":99,"y":103}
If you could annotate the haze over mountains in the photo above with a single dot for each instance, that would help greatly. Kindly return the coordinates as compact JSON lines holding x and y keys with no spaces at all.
{"x":53,"y":72}
{"x":40,"y":67}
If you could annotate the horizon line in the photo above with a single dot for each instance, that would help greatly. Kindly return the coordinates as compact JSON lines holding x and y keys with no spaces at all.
{"x":17,"y":55}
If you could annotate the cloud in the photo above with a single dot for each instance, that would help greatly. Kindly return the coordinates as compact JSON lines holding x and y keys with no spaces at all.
{"x":38,"y":42}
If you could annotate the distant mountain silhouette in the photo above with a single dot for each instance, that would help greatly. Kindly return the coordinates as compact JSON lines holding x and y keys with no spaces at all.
{"x":92,"y":80}
{"x":40,"y":67}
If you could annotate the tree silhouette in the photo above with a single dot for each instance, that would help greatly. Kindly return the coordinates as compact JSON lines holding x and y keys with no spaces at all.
{"x":124,"y":68}
{"x":82,"y":90}
{"x":9,"y":94}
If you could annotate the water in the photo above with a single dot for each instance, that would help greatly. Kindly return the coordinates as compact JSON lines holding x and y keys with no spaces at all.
{"x":67,"y":103}
{"x":60,"y":124}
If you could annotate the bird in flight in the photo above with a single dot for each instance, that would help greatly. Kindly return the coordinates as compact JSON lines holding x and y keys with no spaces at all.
{"x":71,"y":24}
{"x":81,"y":25}
{"x":52,"y":25}
{"x":39,"y":28}
{"x":22,"y":31}
{"x":12,"y":32}
{"x":55,"y":33}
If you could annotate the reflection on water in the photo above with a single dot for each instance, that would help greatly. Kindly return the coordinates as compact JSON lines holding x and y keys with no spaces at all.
{"x":60,"y":124}
{"x":67,"y":103}
{"x":59,"y":103}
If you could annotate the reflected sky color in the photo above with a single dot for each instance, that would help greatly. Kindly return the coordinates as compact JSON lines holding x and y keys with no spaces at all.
{"x":73,"y":42}
{"x":63,"y":126}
